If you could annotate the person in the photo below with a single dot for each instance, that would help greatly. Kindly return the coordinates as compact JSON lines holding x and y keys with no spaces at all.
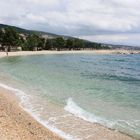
{"x":6,"y":50}
{"x":7,"y":53}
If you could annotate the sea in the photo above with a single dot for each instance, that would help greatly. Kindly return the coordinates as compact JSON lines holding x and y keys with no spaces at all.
{"x":68,"y":93}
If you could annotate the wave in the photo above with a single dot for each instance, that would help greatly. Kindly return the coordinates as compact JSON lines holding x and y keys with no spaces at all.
{"x":25,"y":100}
{"x":128,"y":127}
{"x":76,"y":110}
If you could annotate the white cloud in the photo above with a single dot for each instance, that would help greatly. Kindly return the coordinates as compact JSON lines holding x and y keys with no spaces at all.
{"x":128,"y":39}
{"x":50,"y":2}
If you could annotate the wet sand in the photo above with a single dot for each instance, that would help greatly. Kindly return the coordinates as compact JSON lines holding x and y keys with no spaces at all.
{"x":16,"y":124}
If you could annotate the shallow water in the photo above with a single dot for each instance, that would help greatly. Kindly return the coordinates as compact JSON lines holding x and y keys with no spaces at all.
{"x":96,"y":88}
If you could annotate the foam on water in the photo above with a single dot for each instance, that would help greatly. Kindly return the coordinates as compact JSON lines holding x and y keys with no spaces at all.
{"x":30,"y":109}
{"x":73,"y":108}
{"x":76,"y":110}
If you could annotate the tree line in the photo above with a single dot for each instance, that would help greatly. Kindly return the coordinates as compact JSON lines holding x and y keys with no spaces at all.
{"x":10,"y":39}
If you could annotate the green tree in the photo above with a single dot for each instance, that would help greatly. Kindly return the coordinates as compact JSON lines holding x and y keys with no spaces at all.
{"x":78,"y":43}
{"x":1,"y":37}
{"x":59,"y":43}
{"x":49,"y":44}
{"x":21,"y":42}
{"x":10,"y":38}
{"x":69,"y":44}
{"x":41,"y":43}
{"x":32,"y":42}
{"x":1,"y":40}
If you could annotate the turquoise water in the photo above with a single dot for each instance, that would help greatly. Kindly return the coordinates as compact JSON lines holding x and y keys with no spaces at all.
{"x":97,"y":88}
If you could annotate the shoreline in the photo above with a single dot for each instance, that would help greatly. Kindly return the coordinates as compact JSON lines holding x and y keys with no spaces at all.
{"x":28,"y":127}
{"x":25,"y":53}
{"x":17,"y":124}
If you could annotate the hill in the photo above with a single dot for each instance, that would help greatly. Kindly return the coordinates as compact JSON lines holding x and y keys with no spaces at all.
{"x":51,"y":35}
{"x":25,"y":31}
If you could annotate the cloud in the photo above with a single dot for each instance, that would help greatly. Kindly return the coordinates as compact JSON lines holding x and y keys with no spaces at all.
{"x":123,"y":39}
{"x":42,"y":2}
{"x":73,"y":17}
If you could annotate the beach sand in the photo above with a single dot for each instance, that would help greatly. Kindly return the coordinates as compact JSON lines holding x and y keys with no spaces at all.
{"x":17,"y":124}
{"x":20,"y":53}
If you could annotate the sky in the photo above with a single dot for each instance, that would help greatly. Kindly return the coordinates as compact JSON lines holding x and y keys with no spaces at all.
{"x":107,"y":21}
